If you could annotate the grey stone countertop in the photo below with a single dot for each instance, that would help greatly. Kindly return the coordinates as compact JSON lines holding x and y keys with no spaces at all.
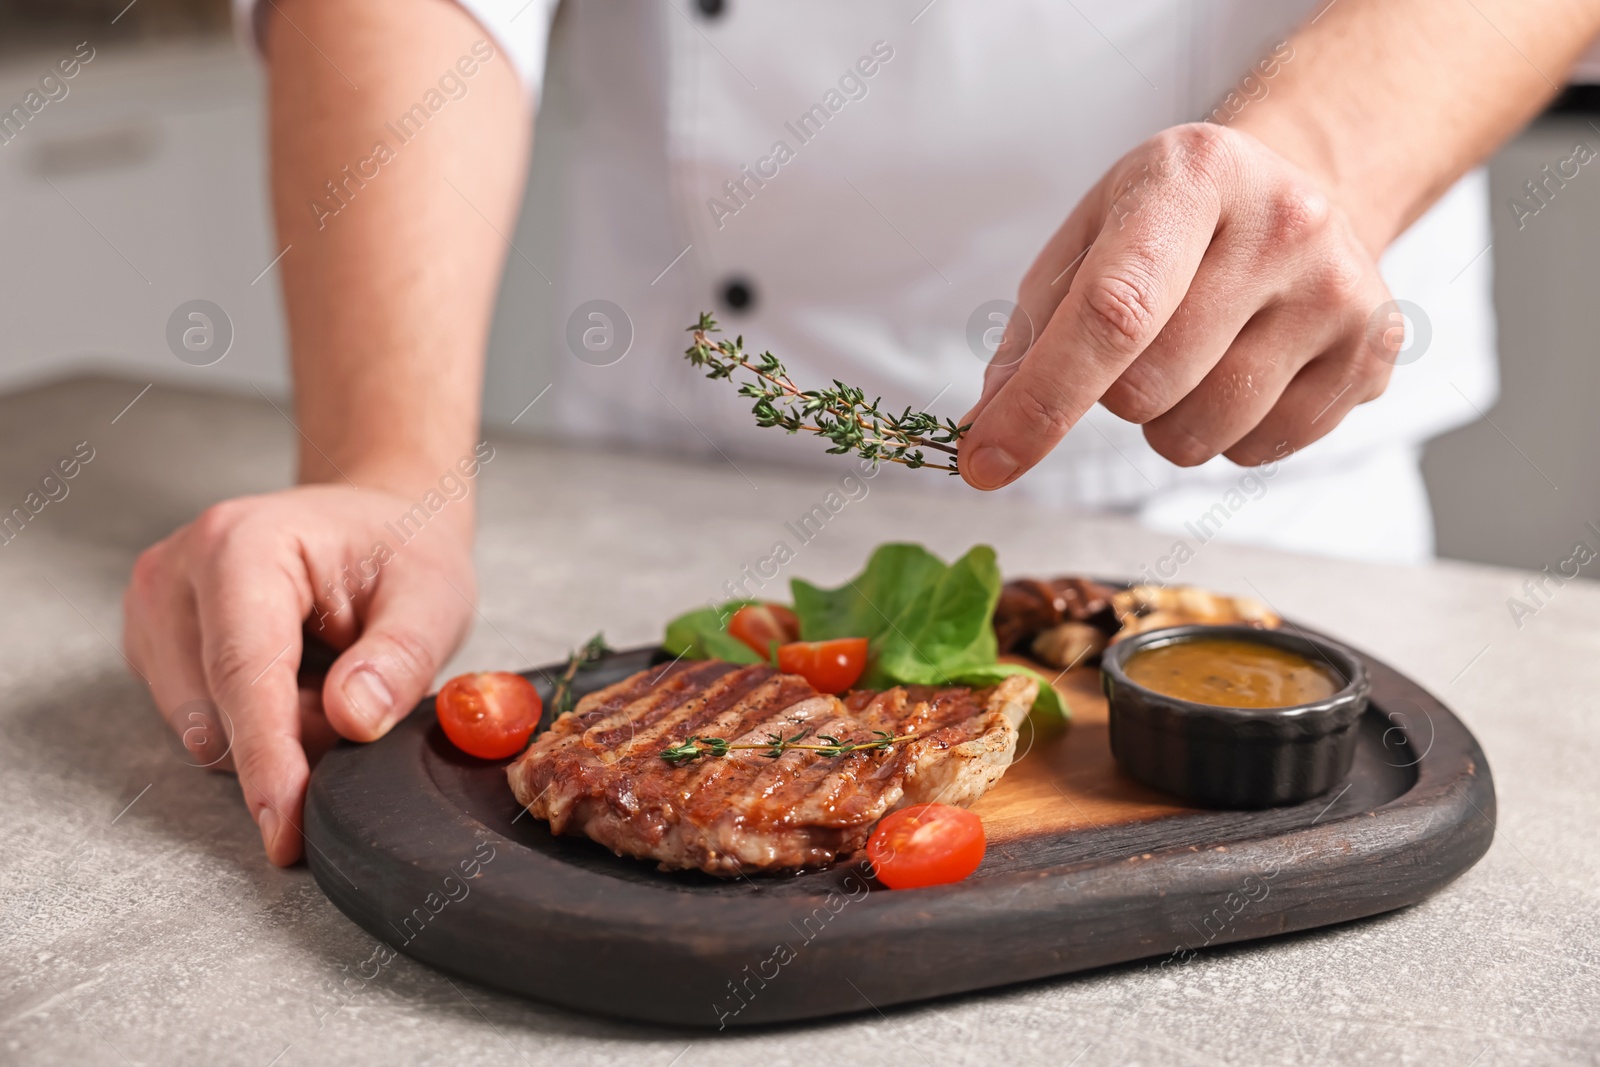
{"x":141,"y":924}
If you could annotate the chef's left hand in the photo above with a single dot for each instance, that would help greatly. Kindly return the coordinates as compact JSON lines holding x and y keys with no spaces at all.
{"x":1223,"y":303}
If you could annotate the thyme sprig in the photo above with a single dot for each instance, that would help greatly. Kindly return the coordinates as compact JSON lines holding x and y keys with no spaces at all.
{"x":561,"y":694}
{"x":841,"y":414}
{"x":777,"y":744}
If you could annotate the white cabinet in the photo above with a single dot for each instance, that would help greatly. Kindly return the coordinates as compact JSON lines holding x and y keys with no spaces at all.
{"x":141,"y":189}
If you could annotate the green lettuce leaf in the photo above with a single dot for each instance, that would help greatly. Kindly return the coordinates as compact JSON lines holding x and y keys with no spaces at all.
{"x":895,"y":577}
{"x":703,"y":634}
{"x":926,"y":622}
{"x":1049,"y":699}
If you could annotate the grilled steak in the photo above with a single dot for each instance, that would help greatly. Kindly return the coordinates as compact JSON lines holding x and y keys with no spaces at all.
{"x":598,"y":771}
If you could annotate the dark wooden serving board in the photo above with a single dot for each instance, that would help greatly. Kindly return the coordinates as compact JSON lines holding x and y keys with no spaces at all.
{"x":427,"y":850}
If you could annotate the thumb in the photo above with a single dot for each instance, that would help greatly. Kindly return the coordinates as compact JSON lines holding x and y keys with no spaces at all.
{"x":411,"y":629}
{"x":1008,"y":356}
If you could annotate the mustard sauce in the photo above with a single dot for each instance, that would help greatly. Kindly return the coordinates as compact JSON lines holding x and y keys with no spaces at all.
{"x":1231,"y":673}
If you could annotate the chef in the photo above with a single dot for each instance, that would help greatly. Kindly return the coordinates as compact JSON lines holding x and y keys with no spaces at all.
{"x":1219,"y":260}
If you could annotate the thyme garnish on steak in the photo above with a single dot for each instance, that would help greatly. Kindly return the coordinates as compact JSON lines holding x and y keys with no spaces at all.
{"x":776,"y":745}
{"x":592,"y":650}
{"x":841,"y":413}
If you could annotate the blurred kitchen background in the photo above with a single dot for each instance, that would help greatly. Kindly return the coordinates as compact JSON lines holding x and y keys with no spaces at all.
{"x":144,"y":186}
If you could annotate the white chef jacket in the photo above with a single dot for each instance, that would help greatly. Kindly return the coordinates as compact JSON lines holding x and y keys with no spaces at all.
{"x":709,"y":146}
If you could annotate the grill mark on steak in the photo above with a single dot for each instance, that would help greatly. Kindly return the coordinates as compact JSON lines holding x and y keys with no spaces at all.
{"x":772,"y":693}
{"x":617,"y":715}
{"x":702,"y":790}
{"x":695,"y":697}
{"x":598,"y":770}
{"x":834,"y":790}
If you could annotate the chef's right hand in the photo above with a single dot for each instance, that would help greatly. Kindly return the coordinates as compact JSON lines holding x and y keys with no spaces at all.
{"x":1209,"y":289}
{"x":215,"y":617}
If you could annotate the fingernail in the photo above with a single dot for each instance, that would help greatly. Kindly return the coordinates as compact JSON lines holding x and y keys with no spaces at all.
{"x":370,"y":699}
{"x":990,"y":467}
{"x":269,"y":824}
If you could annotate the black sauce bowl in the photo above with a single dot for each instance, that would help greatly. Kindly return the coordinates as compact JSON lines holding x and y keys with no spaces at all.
{"x":1222,"y":757}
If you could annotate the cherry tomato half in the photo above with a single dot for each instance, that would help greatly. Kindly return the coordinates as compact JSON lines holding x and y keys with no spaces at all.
{"x":830,"y":666}
{"x":926,"y":844}
{"x":489,"y":715}
{"x":761,"y":626}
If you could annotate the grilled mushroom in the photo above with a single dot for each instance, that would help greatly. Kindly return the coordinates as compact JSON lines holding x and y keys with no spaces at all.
{"x":1068,"y":644}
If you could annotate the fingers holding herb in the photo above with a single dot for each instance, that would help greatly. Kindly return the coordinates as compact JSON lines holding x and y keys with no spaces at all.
{"x":840,"y":413}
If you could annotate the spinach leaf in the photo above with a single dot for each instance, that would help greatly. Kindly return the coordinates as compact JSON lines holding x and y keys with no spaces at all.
{"x":926,"y":622}
{"x":703,"y":634}
{"x":1049,"y":699}
{"x":895,"y":577}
